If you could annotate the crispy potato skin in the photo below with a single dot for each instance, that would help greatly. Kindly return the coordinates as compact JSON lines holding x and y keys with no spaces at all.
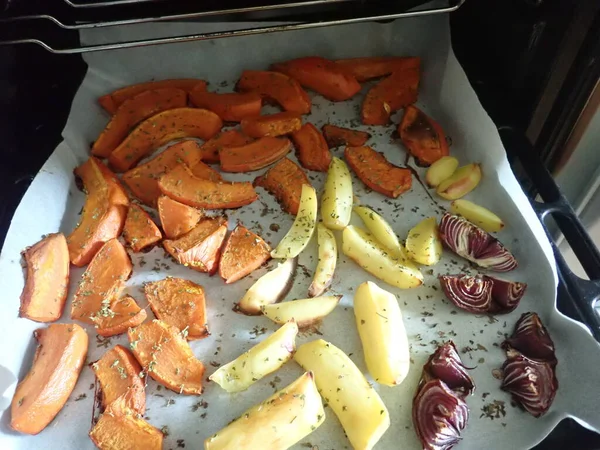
{"x":140,"y":231}
{"x":277,"y":87}
{"x":244,"y":252}
{"x":284,"y":180}
{"x":255,"y":155}
{"x":422,"y":136}
{"x":176,"y":218}
{"x":313,"y":152}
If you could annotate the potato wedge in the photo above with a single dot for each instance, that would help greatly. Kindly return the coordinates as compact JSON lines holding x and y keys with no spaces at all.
{"x":261,"y":360}
{"x":123,"y":313}
{"x":268,"y":289}
{"x":312,"y":149}
{"x":230,"y":138}
{"x":140,"y":231}
{"x":277,"y":87}
{"x":463,"y":181}
{"x":304,"y":312}
{"x":303,"y":227}
{"x":279,"y":422}
{"x":343,"y":386}
{"x":376,"y":259}
{"x":423,"y":244}
{"x":327,"y":261}
{"x":477,"y":215}
{"x":243,"y":253}
{"x":380,"y":229}
{"x":284,"y":180}
{"x":441,"y":170}
{"x":382,"y":333}
{"x":336,"y":203}
{"x":176,"y":218}
{"x":255,"y":155}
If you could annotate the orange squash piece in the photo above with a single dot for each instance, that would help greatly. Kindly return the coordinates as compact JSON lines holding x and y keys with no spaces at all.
{"x":284,"y":180}
{"x":254,"y":156}
{"x":422,"y":136}
{"x":101,"y":283}
{"x":111,"y":102}
{"x":230,"y":138}
{"x":181,"y":185}
{"x":272,"y":125}
{"x":231,"y":106}
{"x":321,"y":75}
{"x":176,"y":218}
{"x":277,"y":87}
{"x":336,"y":136}
{"x":377,"y":172}
{"x":121,"y":428}
{"x":313,"y":152}
{"x":365,"y":69}
{"x":389,"y":95}
{"x":180,"y":303}
{"x":166,"y":356}
{"x":161,"y":128}
{"x":131,"y":112}
{"x":118,"y":373}
{"x":200,"y":249}
{"x":122,"y":313}
{"x":202,"y":170}
{"x":57,"y":362}
{"x":46,"y":280}
{"x":244,"y":252}
{"x":140,"y":231}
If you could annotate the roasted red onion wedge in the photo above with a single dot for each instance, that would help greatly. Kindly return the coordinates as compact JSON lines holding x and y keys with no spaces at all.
{"x":473,"y":294}
{"x":446,"y":365}
{"x":476,"y":245}
{"x":506,"y":294}
{"x":531,"y":338}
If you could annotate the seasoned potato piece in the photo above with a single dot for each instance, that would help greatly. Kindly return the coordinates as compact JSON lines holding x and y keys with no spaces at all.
{"x":336,"y":203}
{"x":381,"y":229}
{"x":477,"y":215}
{"x":423,"y":243}
{"x":463,"y":181}
{"x":305,"y":311}
{"x":327,"y":261}
{"x":441,"y":170}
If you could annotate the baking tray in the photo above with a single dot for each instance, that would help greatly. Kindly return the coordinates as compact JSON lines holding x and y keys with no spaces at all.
{"x":53,"y":203}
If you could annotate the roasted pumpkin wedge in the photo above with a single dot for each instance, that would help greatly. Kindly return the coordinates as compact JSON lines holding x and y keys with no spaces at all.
{"x":272,"y":125}
{"x":57,"y":362}
{"x":230,"y":138}
{"x":398,"y":90}
{"x":377,"y":172}
{"x":255,"y":155}
{"x":181,"y":185}
{"x":93,"y":174}
{"x":200,"y":249}
{"x":368,"y":68}
{"x":312,"y":150}
{"x":176,"y":218}
{"x":202,"y":170}
{"x":336,"y":136}
{"x":101,"y":283}
{"x":140,"y":231}
{"x":422,"y":136}
{"x":118,"y":373}
{"x":277,"y":87}
{"x":121,"y":314}
{"x":231,"y":106}
{"x":284,"y":180}
{"x":111,"y":102}
{"x":161,"y":128}
{"x":46,"y":280}
{"x":244,"y":252}
{"x":131,"y":112}
{"x":321,"y":75}
{"x":180,"y":303}
{"x":166,"y":357}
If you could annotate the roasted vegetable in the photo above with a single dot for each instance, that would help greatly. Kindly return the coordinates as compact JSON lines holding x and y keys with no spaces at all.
{"x":336,"y":202}
{"x":140,"y":231}
{"x":422,"y":136}
{"x":463,"y":181}
{"x":180,"y":303}
{"x":231,"y":107}
{"x":313,"y":152}
{"x":277,"y":87}
{"x":368,"y":68}
{"x":336,"y":136}
{"x":441,"y":170}
{"x":56,"y":365}
{"x":121,"y":314}
{"x":423,"y":244}
{"x":380,"y":229}
{"x":166,"y":356}
{"x":46,"y":280}
{"x":284,"y":180}
{"x":201,"y":170}
{"x":272,"y":125}
{"x":230,"y":138}
{"x":176,"y":218}
{"x":478,"y":215}
{"x":244,"y":252}
{"x":531,"y":338}
{"x":327,"y":261}
{"x":254,"y":156}
{"x":305,"y":312}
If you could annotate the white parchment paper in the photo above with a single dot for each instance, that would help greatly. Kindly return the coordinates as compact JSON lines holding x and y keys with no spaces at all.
{"x":53,"y":203}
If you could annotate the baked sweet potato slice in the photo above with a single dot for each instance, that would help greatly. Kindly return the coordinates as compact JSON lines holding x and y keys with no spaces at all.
{"x":277,"y":87}
{"x":272,"y":124}
{"x":336,"y":136}
{"x":231,"y":106}
{"x":321,"y":75}
{"x":111,"y":102}
{"x":284,"y":180}
{"x":140,"y":231}
{"x":166,"y":356}
{"x":122,"y":314}
{"x":378,"y":173}
{"x":398,"y":90}
{"x":121,"y":428}
{"x":255,"y":155}
{"x":161,"y":128}
{"x":200,"y":249}
{"x":118,"y":373}
{"x":131,"y":112}
{"x":422,"y":136}
{"x":368,"y":68}
{"x":244,"y":252}
{"x":230,"y":138}
{"x":101,"y":283}
{"x":202,"y":170}
{"x":46,"y":280}
{"x":181,"y":185}
{"x":312,"y":150}
{"x":60,"y":355}
{"x":176,"y":218}
{"x":180,"y":303}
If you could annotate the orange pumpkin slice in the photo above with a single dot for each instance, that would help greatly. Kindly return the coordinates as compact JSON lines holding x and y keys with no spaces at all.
{"x":254,"y":156}
{"x":230,"y":138}
{"x":176,"y":218}
{"x":272,"y":125}
{"x":231,"y":107}
{"x":313,"y":152}
{"x":121,"y":314}
{"x":365,"y":69}
{"x":277,"y":87}
{"x":336,"y":136}
{"x":422,"y":136}
{"x":140,"y":231}
{"x":244,"y":252}
{"x":284,"y":180}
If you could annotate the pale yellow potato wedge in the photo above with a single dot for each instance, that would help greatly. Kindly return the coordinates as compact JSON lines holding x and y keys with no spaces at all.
{"x":279,"y":422}
{"x":303,"y":227}
{"x":305,"y":312}
{"x":441,"y":170}
{"x":373,"y":257}
{"x":423,"y":244}
{"x":380,"y":229}
{"x":357,"y":405}
{"x":463,"y":181}
{"x":327,"y":261}
{"x":477,"y":215}
{"x":336,"y":203}
{"x":261,"y":360}
{"x":382,"y":333}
